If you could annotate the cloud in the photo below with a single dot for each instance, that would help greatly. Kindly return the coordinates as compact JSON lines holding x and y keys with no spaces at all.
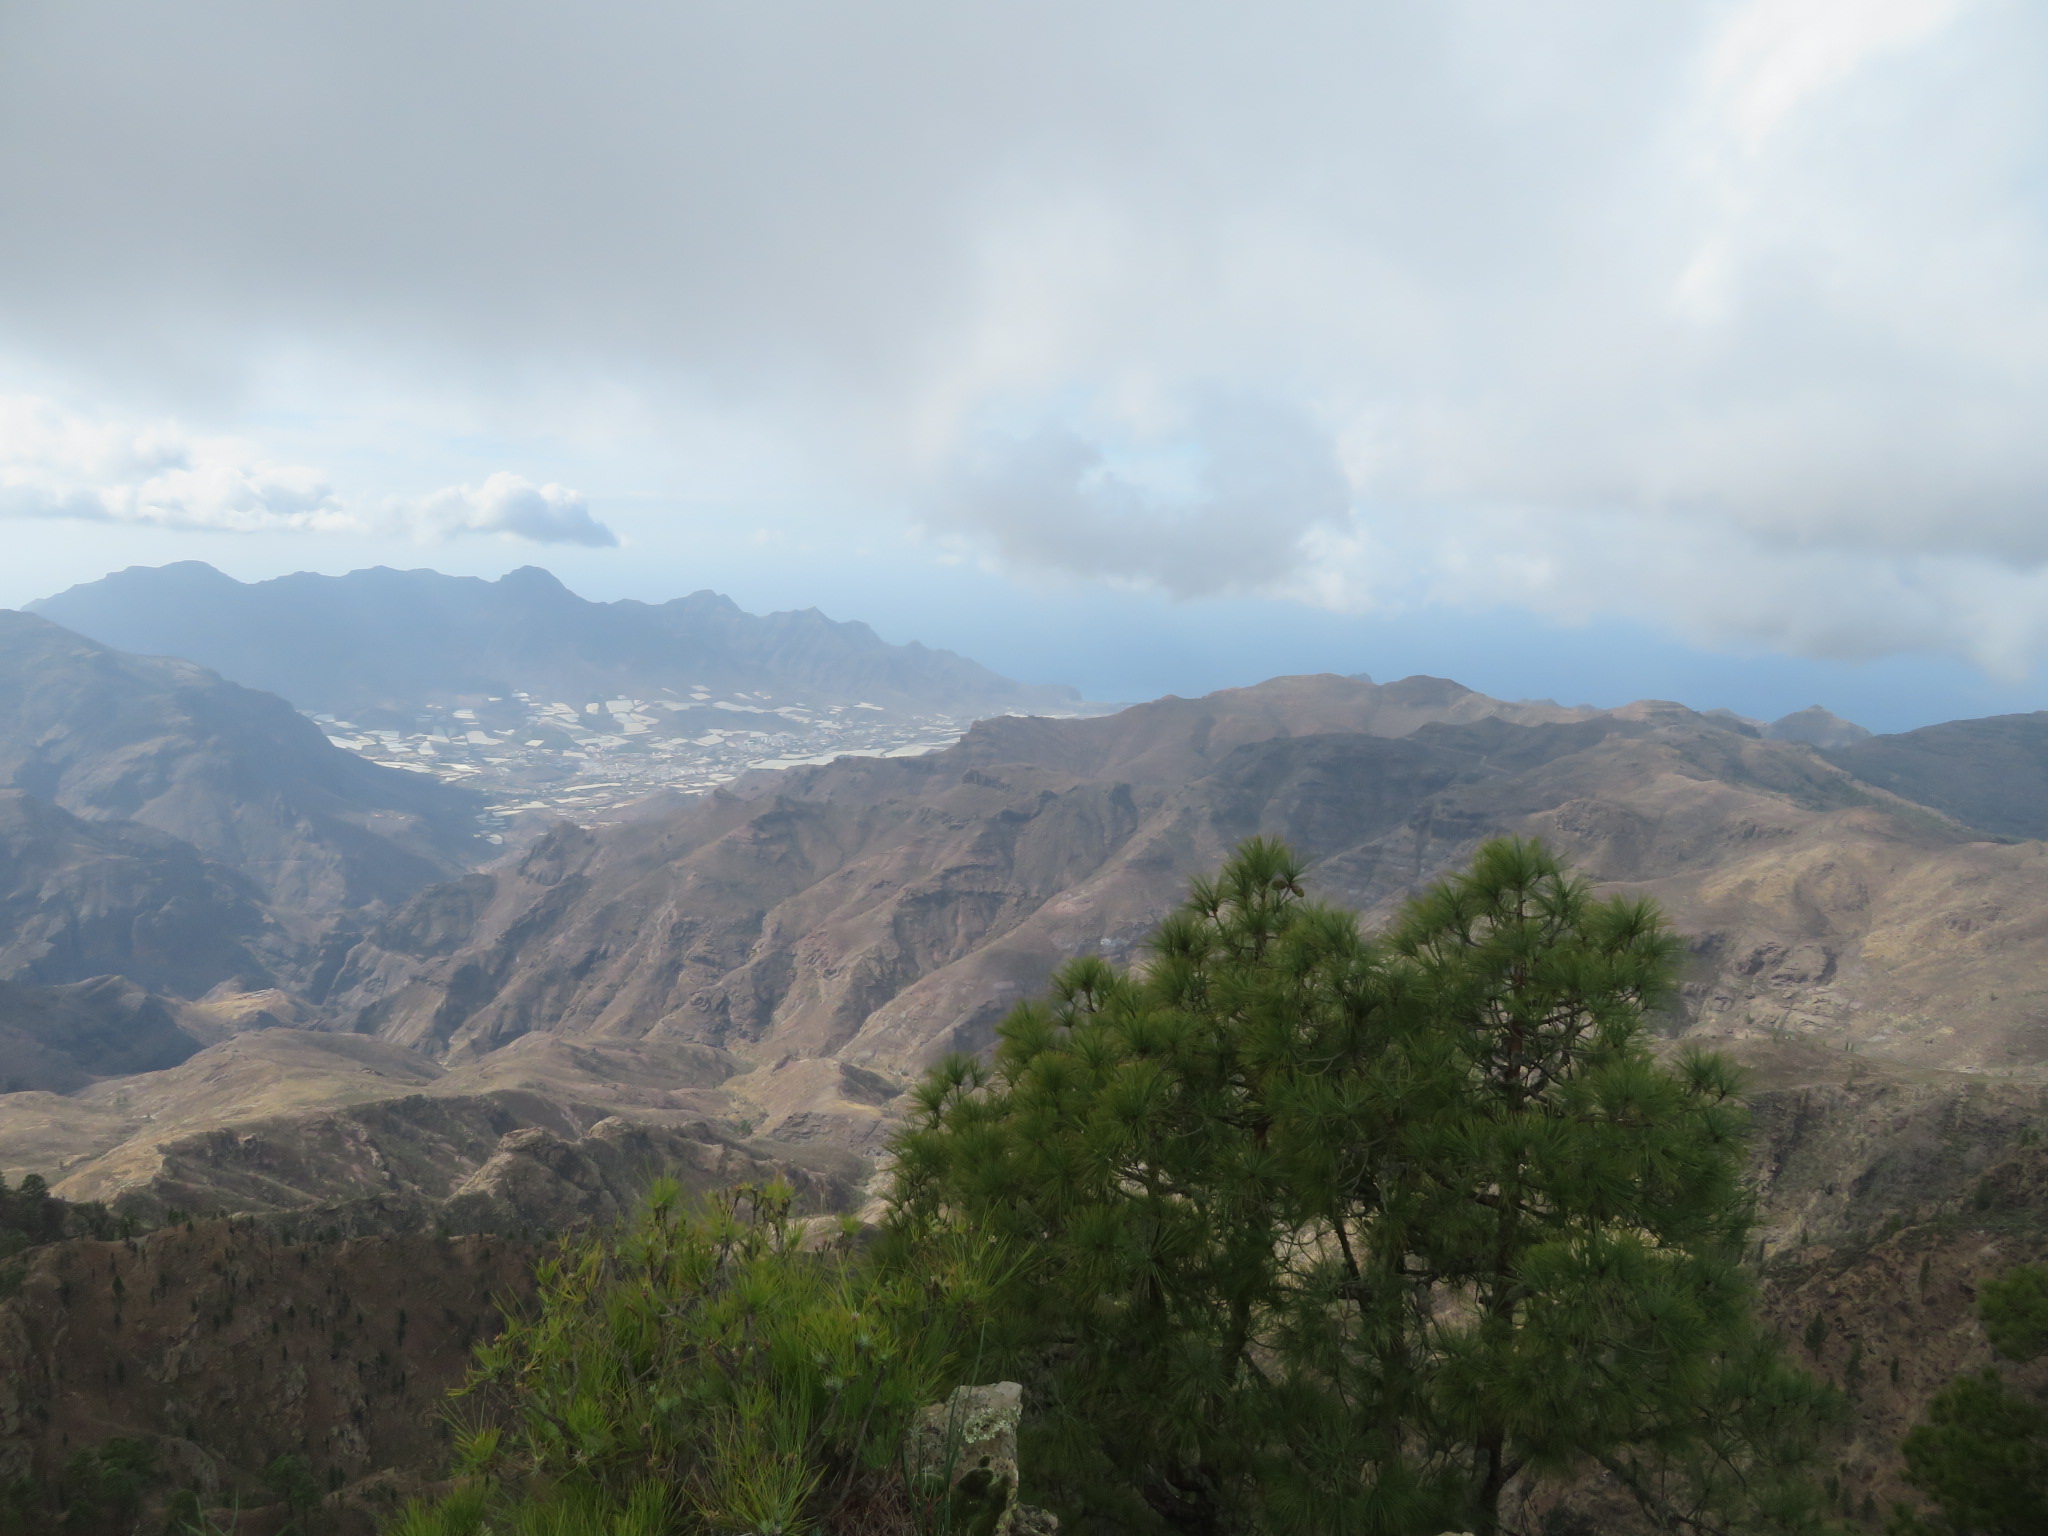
{"x":1775,"y":54}
{"x":505,"y":503}
{"x":1223,"y":506}
{"x":1743,"y":303}
{"x":55,"y":464}
{"x":58,"y":465}
{"x":1715,"y":584}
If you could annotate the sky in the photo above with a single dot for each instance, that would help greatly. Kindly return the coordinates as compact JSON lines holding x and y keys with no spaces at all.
{"x":1590,"y":350}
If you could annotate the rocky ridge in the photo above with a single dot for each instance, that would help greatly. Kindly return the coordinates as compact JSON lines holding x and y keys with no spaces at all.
{"x":791,"y":952}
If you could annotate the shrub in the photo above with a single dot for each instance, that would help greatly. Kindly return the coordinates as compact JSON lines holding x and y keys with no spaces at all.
{"x":701,"y":1371}
{"x":105,"y":1485}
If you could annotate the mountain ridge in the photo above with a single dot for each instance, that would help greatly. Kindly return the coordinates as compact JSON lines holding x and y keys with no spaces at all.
{"x":387,"y":640}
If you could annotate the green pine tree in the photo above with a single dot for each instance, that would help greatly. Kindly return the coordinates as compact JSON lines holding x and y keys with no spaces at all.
{"x":1981,"y":1454}
{"x":1333,"y":1235}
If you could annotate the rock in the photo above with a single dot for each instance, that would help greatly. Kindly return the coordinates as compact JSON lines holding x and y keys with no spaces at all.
{"x":967,"y":1445}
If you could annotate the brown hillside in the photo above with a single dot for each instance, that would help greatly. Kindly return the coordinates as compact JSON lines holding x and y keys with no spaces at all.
{"x":873,"y":914}
{"x":787,"y":956}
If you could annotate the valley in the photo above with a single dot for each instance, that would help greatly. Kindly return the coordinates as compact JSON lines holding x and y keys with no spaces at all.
{"x":597,"y":761}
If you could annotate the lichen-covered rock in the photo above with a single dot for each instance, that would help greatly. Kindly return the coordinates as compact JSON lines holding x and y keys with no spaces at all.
{"x":965,"y":1450}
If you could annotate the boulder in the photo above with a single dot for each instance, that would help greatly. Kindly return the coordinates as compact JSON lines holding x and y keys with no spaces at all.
{"x":964,"y":1450}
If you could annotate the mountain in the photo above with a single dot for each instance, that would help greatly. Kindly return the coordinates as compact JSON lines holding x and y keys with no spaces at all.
{"x":752,"y":978}
{"x":544,"y":703}
{"x":237,"y":775}
{"x":789,"y":951}
{"x":840,"y":926}
{"x":58,"y":1039}
{"x":80,"y":899}
{"x":377,"y":642}
{"x":168,"y":837}
{"x":1990,"y":773}
{"x":1816,"y":727}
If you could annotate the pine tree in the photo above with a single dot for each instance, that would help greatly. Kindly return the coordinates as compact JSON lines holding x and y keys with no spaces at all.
{"x":1981,"y":1454}
{"x":1334,"y":1235}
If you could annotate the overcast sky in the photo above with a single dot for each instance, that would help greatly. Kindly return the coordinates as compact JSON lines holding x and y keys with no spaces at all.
{"x":1581,"y":349}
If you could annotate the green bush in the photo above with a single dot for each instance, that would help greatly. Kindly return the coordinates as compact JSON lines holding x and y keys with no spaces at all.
{"x":104,"y":1486}
{"x":702,"y":1371}
{"x":2014,"y":1307}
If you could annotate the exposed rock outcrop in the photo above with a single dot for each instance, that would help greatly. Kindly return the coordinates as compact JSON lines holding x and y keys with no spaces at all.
{"x":964,"y":1451}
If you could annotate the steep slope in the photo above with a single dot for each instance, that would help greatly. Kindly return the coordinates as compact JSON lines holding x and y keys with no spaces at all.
{"x":817,"y":936}
{"x":1990,"y":773}
{"x":235,"y":773}
{"x":804,"y":905}
{"x":336,"y":1334}
{"x":58,"y":1039}
{"x":92,"y":898}
{"x":398,"y":640}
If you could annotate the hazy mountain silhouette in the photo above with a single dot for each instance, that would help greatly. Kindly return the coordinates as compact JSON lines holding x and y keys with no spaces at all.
{"x":382,"y":639}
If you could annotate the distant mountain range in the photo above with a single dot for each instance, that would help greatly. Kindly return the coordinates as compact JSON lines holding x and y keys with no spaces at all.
{"x":546,"y":704}
{"x":378,"y":643}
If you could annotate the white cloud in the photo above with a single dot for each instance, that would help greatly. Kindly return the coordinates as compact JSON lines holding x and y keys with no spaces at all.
{"x":1224,"y":504}
{"x":55,"y":464}
{"x":1775,"y":54}
{"x":505,"y":503}
{"x":1715,"y":584}
{"x":1741,"y":306}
